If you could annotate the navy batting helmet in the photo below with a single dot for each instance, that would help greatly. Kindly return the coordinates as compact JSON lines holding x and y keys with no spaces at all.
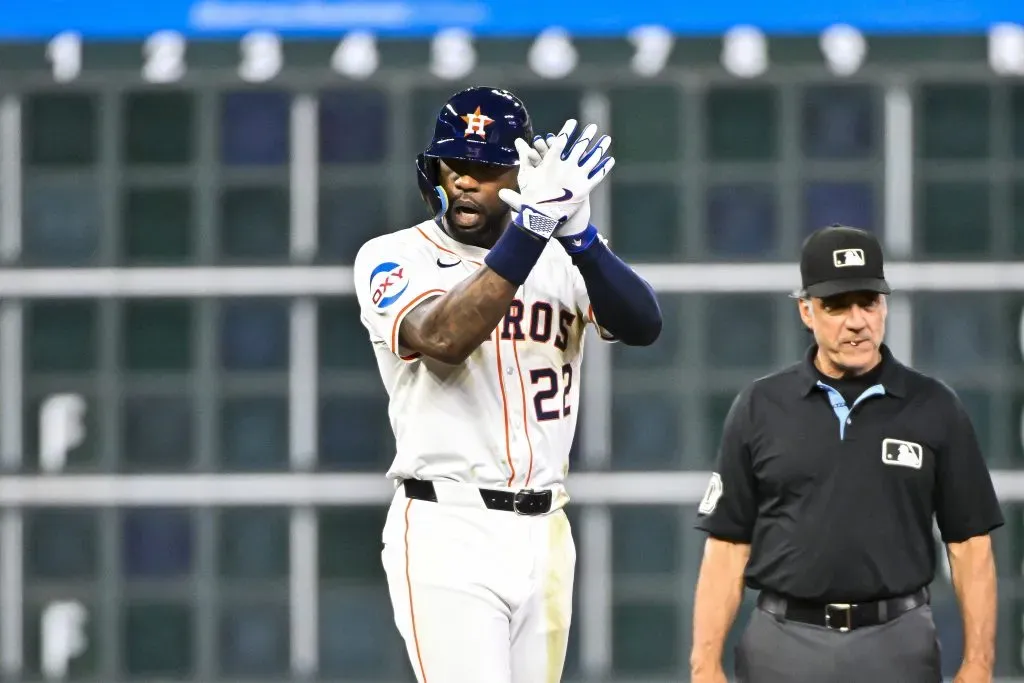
{"x":479,"y":124}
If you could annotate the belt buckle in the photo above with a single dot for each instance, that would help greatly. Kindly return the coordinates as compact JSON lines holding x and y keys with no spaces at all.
{"x":842,"y":607}
{"x":519,"y":496}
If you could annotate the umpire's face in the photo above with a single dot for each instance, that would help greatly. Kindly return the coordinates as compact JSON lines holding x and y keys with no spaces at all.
{"x":476,"y":215}
{"x":848,"y":329}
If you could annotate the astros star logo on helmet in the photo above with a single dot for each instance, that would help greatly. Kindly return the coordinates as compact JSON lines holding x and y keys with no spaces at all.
{"x":476,"y":123}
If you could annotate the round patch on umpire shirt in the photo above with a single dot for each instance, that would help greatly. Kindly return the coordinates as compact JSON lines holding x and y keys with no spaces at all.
{"x":712,"y":494}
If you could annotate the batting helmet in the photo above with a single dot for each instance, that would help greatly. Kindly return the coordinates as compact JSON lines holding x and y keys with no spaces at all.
{"x":477,"y":124}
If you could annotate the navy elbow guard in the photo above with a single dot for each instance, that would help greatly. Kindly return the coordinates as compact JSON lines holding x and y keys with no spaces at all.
{"x":623,"y":302}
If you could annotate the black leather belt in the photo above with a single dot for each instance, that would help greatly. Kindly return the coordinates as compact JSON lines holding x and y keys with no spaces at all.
{"x":523,"y":502}
{"x":840,"y":616}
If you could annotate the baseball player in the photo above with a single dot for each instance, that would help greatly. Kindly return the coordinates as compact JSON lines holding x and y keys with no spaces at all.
{"x":477,"y":319}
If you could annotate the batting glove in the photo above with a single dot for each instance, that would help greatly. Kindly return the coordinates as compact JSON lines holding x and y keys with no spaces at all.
{"x":579,"y":221}
{"x":558,"y":186}
{"x":530,"y":158}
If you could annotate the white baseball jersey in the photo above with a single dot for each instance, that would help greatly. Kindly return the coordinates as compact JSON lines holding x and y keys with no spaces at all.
{"x":507,"y":415}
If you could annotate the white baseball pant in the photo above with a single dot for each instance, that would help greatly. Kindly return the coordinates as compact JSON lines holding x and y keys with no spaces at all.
{"x":478,"y":594}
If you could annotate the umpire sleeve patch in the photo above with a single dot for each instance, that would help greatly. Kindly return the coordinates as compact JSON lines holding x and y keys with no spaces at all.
{"x":388,"y":282}
{"x":712,"y":495}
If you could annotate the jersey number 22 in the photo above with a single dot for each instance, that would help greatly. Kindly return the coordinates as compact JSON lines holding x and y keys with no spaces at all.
{"x":549,"y":377}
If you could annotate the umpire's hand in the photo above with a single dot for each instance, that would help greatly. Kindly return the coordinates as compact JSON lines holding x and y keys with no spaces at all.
{"x":708,"y":674}
{"x":973,"y":672}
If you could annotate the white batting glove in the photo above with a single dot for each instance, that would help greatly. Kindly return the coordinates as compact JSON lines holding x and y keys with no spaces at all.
{"x":529,"y":159}
{"x":560,"y":184}
{"x":577,"y":222}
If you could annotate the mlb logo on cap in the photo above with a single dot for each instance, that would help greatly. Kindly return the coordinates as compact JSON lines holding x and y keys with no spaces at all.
{"x":839,"y":259}
{"x":844,"y":258}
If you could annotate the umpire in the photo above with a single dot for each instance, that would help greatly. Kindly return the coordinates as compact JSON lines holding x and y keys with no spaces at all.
{"x":829,"y":475}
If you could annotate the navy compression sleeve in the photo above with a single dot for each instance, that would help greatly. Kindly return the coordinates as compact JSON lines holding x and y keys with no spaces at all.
{"x":623,"y":302}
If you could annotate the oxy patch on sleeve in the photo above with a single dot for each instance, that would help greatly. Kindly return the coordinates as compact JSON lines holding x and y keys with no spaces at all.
{"x":388,"y":283}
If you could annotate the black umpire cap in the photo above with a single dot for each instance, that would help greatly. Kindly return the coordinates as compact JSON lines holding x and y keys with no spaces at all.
{"x":839,"y":259}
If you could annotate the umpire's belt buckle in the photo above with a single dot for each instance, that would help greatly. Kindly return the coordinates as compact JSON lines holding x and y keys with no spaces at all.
{"x":841,"y":607}
{"x":530,"y":502}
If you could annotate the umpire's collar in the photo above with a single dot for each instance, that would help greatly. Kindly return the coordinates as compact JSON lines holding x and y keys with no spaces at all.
{"x":893,"y":377}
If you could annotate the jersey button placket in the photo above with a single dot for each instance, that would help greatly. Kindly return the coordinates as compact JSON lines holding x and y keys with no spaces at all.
{"x":513,"y":393}
{"x":511,"y":398}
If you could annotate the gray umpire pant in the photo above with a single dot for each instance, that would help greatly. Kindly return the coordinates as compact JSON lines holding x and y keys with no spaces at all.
{"x":904,"y":650}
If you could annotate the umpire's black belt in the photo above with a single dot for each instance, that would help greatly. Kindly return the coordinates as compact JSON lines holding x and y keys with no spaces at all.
{"x":523,"y":502}
{"x":840,"y":616}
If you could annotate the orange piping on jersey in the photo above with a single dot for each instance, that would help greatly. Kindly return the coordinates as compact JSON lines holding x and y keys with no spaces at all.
{"x":401,"y":314}
{"x":590,"y":314}
{"x":444,"y":249}
{"x":408,"y":584}
{"x":504,"y":406}
{"x":526,"y":426}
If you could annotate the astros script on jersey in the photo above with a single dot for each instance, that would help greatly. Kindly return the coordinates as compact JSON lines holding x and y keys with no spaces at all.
{"x":505,"y":417}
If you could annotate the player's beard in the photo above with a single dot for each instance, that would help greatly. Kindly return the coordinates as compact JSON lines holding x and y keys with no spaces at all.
{"x":483,"y":234}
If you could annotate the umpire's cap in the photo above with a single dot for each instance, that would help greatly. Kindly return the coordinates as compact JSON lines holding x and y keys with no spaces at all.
{"x":477,"y":124}
{"x":839,"y":259}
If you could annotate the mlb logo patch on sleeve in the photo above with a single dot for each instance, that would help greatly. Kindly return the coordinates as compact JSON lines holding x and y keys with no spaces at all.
{"x":388,"y":282}
{"x":712,"y":494}
{"x":902,"y":453}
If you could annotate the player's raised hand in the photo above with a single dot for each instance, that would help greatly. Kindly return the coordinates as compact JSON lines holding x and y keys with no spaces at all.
{"x":529,"y":160}
{"x":579,"y":221}
{"x":540,"y":144}
{"x":558,"y":186}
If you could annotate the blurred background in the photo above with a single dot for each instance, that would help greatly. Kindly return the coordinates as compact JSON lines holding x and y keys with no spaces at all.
{"x":193,"y":433}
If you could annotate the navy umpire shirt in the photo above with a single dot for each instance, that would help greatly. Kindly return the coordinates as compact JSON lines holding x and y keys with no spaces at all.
{"x":836,"y":495}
